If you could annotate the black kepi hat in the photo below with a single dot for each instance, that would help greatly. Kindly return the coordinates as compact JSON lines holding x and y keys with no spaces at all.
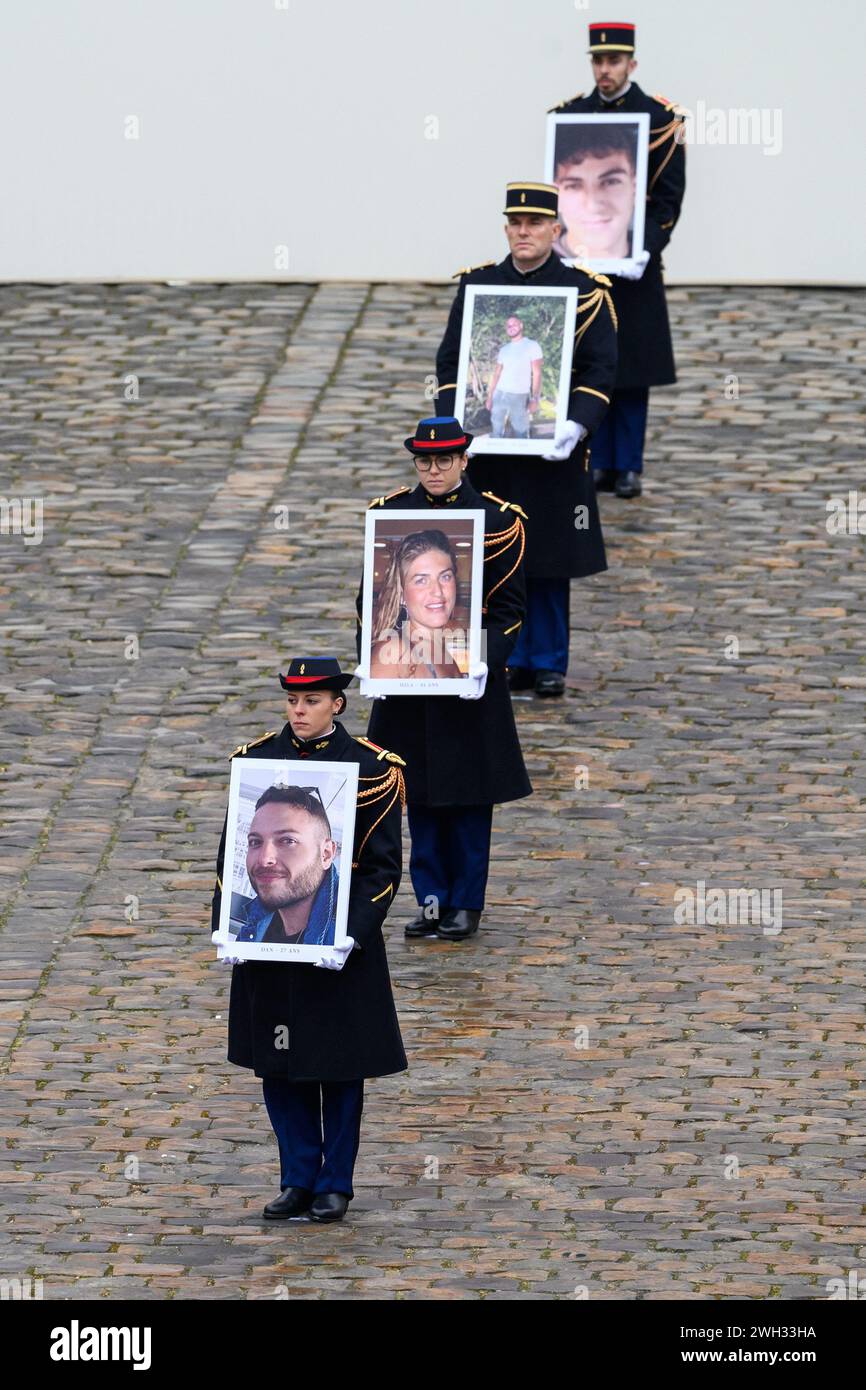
{"x":315,"y":673}
{"x":611,"y":38}
{"x":532,"y":197}
{"x":441,"y":434}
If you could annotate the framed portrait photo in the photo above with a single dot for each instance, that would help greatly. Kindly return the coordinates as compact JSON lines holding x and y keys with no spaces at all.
{"x":421,"y":619}
{"x":288,"y":859}
{"x":599,"y":164}
{"x":514,"y":376}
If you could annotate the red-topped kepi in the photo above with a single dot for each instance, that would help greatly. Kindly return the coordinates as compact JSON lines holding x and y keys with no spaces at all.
{"x":616,"y":37}
{"x":440,"y":434}
{"x":315,"y":673}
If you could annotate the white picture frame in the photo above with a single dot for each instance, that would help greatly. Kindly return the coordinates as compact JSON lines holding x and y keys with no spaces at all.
{"x":388,"y":538}
{"x":603,"y":179}
{"x":243,"y":911}
{"x":547,"y":315}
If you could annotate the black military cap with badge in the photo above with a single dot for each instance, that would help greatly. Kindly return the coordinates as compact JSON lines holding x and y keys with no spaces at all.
{"x":538,"y":198}
{"x":316,"y":673}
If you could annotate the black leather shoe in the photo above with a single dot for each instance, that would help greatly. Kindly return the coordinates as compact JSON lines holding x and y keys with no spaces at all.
{"x":459,"y":923}
{"x":604,"y":479}
{"x":628,"y":485}
{"x":550,"y":683}
{"x":292,"y":1201}
{"x":421,"y":926}
{"x":329,"y":1206}
{"x":519,"y":678}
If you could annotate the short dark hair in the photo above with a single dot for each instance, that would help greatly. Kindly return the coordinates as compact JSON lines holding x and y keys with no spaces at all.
{"x":305,"y":798}
{"x":595,"y":142}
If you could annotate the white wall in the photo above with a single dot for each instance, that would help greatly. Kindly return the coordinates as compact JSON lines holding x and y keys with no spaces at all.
{"x":305,"y":127}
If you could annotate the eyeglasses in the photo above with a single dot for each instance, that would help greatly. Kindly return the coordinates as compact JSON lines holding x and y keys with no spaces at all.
{"x":442,"y":464}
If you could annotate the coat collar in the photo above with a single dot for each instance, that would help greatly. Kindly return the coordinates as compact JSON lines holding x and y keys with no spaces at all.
{"x":329,"y":746}
{"x":463,"y":496}
{"x":540,"y":272}
{"x":632,"y":100}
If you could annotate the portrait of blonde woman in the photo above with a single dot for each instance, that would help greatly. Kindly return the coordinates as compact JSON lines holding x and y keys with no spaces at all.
{"x":413,"y":629}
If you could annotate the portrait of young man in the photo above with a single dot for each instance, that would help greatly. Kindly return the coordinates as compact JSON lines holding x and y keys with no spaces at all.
{"x":595,"y":170}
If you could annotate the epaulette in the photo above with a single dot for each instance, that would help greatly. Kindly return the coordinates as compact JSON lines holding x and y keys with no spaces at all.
{"x":245,"y":747}
{"x":603,"y":280}
{"x":669,"y":105}
{"x":505,"y":506}
{"x":380,"y":501}
{"x":567,"y":102}
{"x":382,"y":752}
{"x":468,"y":269}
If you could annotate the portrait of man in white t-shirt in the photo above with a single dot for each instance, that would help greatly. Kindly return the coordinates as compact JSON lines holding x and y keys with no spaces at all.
{"x":515,"y":387}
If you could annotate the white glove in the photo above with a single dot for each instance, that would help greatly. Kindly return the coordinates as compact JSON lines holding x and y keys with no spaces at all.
{"x":564,"y":443}
{"x":363,"y":673}
{"x":478,"y":673}
{"x":342,"y":955}
{"x":231,"y":960}
{"x":635,"y":271}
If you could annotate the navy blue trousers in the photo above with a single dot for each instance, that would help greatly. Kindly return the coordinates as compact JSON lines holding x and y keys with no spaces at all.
{"x":450,"y":855}
{"x":318,"y":1129}
{"x":618,"y":442}
{"x":543,"y":641}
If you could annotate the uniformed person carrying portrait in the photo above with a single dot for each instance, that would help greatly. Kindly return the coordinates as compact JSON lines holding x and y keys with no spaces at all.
{"x":314,"y":1035}
{"x":646,"y":356}
{"x":462,"y":752}
{"x":563,"y":534}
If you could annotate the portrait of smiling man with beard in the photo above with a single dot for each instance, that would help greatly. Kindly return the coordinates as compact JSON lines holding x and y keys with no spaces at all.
{"x":291,"y":865}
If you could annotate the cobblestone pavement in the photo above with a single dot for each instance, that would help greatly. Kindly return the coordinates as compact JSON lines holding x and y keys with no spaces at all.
{"x":707,"y":1141}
